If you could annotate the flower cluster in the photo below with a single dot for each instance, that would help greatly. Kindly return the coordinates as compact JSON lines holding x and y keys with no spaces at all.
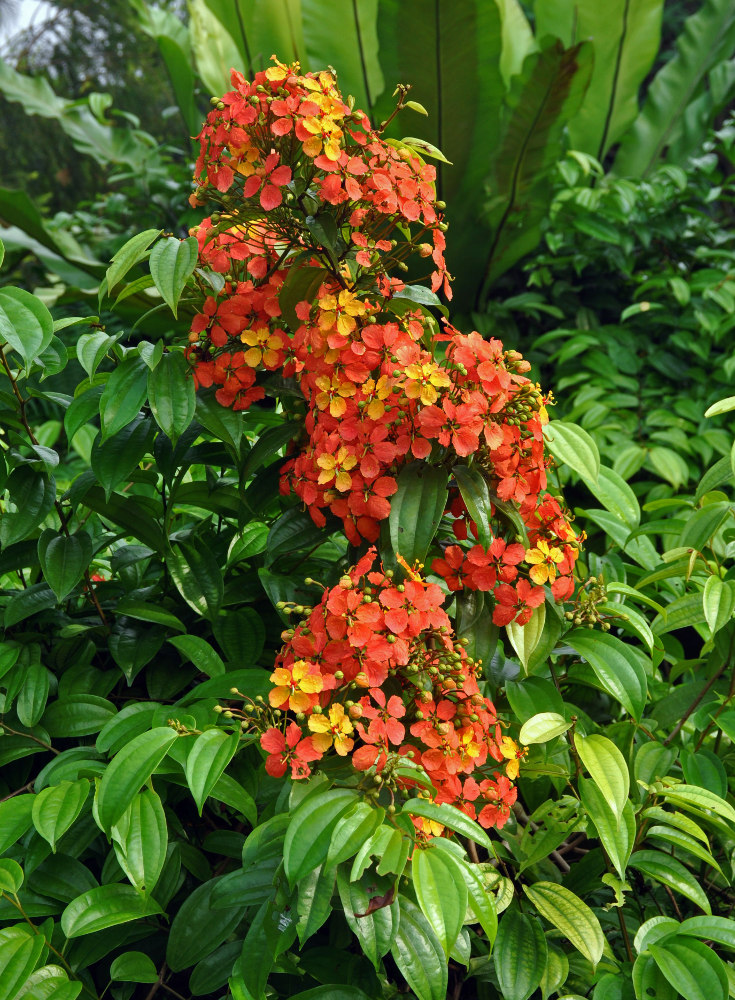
{"x":315,"y":213}
{"x":373,"y":673}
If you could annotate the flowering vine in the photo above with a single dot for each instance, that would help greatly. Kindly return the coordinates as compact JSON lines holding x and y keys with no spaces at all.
{"x":316,"y":213}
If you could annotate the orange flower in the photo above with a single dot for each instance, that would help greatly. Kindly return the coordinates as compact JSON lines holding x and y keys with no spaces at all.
{"x":295,"y":686}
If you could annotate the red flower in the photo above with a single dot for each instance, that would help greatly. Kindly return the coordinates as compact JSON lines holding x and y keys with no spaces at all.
{"x":288,"y":749}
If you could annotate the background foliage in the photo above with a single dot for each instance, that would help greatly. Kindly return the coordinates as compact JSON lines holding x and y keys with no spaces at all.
{"x":143,"y":545}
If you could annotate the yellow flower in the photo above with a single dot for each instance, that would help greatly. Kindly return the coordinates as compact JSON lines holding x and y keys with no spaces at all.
{"x":375,"y":393}
{"x":295,"y":686}
{"x":423,"y":381}
{"x":429,"y":827}
{"x":336,"y":728}
{"x":341,"y":310}
{"x":280,"y":71}
{"x":263,"y":347}
{"x":333,"y":393}
{"x":543,"y":562}
{"x":337,"y":467}
{"x":513,"y":754}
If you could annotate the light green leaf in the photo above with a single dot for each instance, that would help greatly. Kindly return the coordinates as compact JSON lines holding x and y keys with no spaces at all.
{"x":56,"y":808}
{"x":668,"y":871}
{"x":616,"y":666}
{"x":543,"y":727}
{"x":212,"y":752}
{"x":519,"y":955}
{"x":450,"y":817}
{"x":128,"y":256}
{"x":105,"y":906}
{"x":199,"y":652}
{"x":617,"y":833}
{"x":441,"y":896}
{"x":572,"y":445}
{"x":172,"y":261}
{"x":570,"y":915}
{"x":607,"y":768}
{"x":418,"y":954}
{"x":25,"y":323}
{"x":525,"y":638}
{"x":719,"y":602}
{"x":693,"y":969}
{"x":140,"y":839}
{"x":701,"y":798}
{"x":309,"y":833}
{"x":128,"y":771}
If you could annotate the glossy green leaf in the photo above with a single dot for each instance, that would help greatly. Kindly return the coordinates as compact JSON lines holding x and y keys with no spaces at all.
{"x":616,"y":666}
{"x":15,"y":819}
{"x":442,"y":898}
{"x":123,"y":396}
{"x":700,"y":798}
{"x":32,"y":494}
{"x":543,"y":727}
{"x":668,"y":871}
{"x":133,"y":967}
{"x":171,"y":395}
{"x":11,"y":875}
{"x":198,"y":577}
{"x":199,"y":652}
{"x":719,"y":929}
{"x":614,"y":493}
{"x":128,"y":256}
{"x":607,"y":768}
{"x":376,"y":930}
{"x":450,"y":817}
{"x":476,"y":496}
{"x":33,"y":693}
{"x":19,"y":956}
{"x":526,"y":638}
{"x":140,"y":839}
{"x":56,"y":808}
{"x":718,"y":599}
{"x":693,"y":969}
{"x":64,"y":559}
{"x":519,"y":955}
{"x":172,"y":261}
{"x":416,"y":509}
{"x":128,"y":771}
{"x":106,"y":906}
{"x":352,"y":831}
{"x":25,"y":323}
{"x":212,"y":752}
{"x":571,"y":445}
{"x":418,"y":954}
{"x":199,"y":927}
{"x":576,"y":921}
{"x":310,"y":831}
{"x":91,"y":349}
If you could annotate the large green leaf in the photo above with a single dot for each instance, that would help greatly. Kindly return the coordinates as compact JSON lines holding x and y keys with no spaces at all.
{"x":105,"y":906}
{"x":242,"y":34}
{"x":64,"y":559}
{"x":212,"y":752}
{"x":616,"y":832}
{"x":352,"y":51}
{"x":310,"y":831}
{"x":55,"y":808}
{"x":441,"y":896}
{"x":418,"y":954}
{"x":707,"y":39}
{"x":669,"y":872}
{"x":693,"y":969}
{"x":519,"y":955}
{"x":200,"y":926}
{"x":607,"y":768}
{"x":171,"y":395}
{"x":416,"y":509}
{"x":172,"y":261}
{"x":625,"y":35}
{"x":129,"y":770}
{"x":616,"y":665}
{"x":25,"y":323}
{"x":570,"y":915}
{"x":451,"y":57}
{"x":541,"y":101}
{"x":140,"y":838}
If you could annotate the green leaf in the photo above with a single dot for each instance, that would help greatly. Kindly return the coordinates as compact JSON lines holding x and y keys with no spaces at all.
{"x":32,"y":494}
{"x":615,"y":495}
{"x":668,"y":871}
{"x":19,"y":956}
{"x":721,"y":406}
{"x":672,"y":835}
{"x":113,"y":460}
{"x":129,"y":769}
{"x":718,"y":599}
{"x":543,"y":727}
{"x":171,"y":395}
{"x":616,"y":666}
{"x":77,"y":715}
{"x":140,"y":839}
{"x":56,"y":808}
{"x":702,"y":524}
{"x":301,"y":285}
{"x":669,"y":465}
{"x":418,"y":953}
{"x":571,"y":445}
{"x":11,"y":875}
{"x":476,"y":496}
{"x":481,"y":902}
{"x":133,"y":967}
{"x":450,"y":817}
{"x":708,"y":38}
{"x":128,"y":256}
{"x":314,"y":904}
{"x":701,"y":798}
{"x":626,"y":40}
{"x":64,"y":559}
{"x":25,"y":323}
{"x":123,"y":396}
{"x":172,"y":261}
{"x":441,"y":896}
{"x":526,"y":638}
{"x":719,"y":929}
{"x":15,"y":819}
{"x":353,"y":830}
{"x":199,"y":927}
{"x":519,"y":955}
{"x":607,"y":768}
{"x":617,"y":833}
{"x":309,"y":833}
{"x":693,"y":969}
{"x":374,"y":931}
{"x":212,"y":752}
{"x":91,"y":349}
{"x":144,"y":612}
{"x":199,"y":652}
{"x":576,"y":921}
{"x":416,"y":509}
{"x":106,"y":906}
{"x":33,"y":693}
{"x":198,"y":577}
